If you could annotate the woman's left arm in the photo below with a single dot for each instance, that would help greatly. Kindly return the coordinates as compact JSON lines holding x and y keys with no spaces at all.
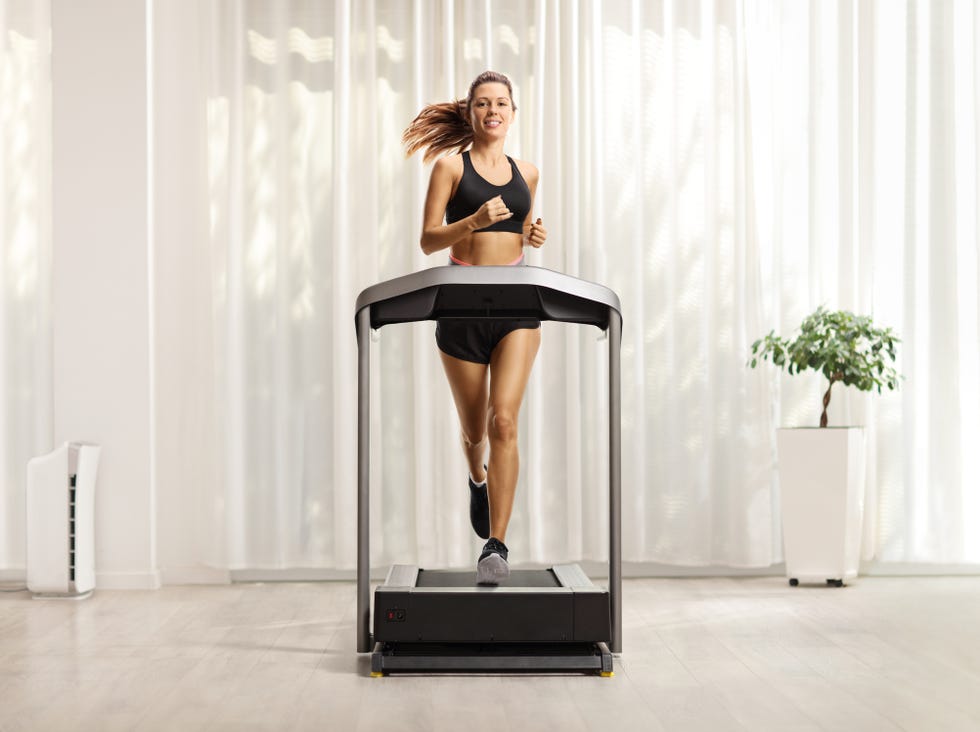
{"x":534,"y":232}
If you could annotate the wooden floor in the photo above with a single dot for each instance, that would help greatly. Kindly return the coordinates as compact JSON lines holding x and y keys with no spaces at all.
{"x":700,"y":654}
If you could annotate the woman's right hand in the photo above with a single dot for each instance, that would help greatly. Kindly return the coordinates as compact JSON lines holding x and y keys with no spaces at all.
{"x":490,"y":213}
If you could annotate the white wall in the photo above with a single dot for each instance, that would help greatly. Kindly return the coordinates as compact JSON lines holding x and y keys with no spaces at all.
{"x":101,"y":372}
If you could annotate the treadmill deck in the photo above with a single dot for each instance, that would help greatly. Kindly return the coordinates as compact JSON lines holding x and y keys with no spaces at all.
{"x":552,"y":620}
{"x":553,"y":605}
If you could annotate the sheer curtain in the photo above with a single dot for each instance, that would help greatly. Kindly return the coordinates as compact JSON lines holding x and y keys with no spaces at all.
{"x":724,"y":166}
{"x":25,"y":313}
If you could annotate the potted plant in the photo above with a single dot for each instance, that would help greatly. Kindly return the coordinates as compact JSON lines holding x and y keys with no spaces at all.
{"x":821,"y":470}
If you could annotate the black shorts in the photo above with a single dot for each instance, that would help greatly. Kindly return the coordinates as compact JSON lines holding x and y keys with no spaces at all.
{"x":474,"y":340}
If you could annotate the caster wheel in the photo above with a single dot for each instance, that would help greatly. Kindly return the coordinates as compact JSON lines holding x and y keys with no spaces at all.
{"x":835,"y":582}
{"x":793,"y":582}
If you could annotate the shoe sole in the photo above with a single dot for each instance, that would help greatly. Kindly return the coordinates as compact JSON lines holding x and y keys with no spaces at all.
{"x":491,"y":570}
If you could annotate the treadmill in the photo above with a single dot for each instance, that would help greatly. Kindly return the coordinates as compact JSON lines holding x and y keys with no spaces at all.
{"x":439,"y":621}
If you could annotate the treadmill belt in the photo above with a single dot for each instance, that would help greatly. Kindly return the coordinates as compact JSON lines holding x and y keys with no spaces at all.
{"x":467,"y":578}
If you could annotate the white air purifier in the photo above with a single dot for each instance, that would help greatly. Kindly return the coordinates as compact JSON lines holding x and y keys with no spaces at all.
{"x":61,"y":522}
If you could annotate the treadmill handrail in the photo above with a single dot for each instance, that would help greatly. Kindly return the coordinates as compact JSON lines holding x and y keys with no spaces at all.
{"x":488,"y":291}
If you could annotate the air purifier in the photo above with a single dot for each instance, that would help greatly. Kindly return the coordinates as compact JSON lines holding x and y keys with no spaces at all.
{"x":61,"y":522}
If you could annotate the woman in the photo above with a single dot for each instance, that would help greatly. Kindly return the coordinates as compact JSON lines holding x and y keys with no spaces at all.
{"x":478,"y":206}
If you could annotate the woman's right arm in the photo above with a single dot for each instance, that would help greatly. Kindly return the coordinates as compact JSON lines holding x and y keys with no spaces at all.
{"x":437,"y":235}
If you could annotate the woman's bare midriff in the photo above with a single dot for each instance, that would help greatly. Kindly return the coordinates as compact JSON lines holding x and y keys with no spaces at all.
{"x":489,"y":248}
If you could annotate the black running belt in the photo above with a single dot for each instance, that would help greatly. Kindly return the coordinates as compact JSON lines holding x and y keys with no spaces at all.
{"x":467,"y":578}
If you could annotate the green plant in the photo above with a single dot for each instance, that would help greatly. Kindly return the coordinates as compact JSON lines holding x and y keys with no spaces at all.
{"x":842,"y":346}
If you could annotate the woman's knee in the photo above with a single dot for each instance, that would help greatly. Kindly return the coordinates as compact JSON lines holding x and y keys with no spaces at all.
{"x":472,"y":437}
{"x":502,"y":424}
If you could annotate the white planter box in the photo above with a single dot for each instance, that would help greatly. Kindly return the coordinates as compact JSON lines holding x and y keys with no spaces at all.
{"x":821,"y":478}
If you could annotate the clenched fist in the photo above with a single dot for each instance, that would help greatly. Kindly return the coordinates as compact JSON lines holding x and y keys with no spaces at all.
{"x":537,"y":234}
{"x":491,"y":212}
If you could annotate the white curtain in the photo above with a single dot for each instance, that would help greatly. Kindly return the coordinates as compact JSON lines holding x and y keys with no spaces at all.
{"x":724,"y":166}
{"x":25,"y":311}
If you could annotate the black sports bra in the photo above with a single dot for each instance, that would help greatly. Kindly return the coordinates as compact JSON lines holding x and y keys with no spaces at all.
{"x":474,"y":190}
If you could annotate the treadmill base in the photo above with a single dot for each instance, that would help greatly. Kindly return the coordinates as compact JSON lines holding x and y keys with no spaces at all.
{"x":592,"y":658}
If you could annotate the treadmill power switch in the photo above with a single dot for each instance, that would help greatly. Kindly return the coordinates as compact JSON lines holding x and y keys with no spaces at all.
{"x":395,"y":615}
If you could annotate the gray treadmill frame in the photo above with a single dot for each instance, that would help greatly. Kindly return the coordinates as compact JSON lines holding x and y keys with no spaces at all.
{"x":412,"y":298}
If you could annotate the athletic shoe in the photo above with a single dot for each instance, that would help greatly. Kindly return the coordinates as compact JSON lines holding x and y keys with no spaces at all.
{"x":492,"y":567}
{"x":479,"y":509}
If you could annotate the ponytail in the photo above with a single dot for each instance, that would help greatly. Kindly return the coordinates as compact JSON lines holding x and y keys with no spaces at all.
{"x":437,"y":129}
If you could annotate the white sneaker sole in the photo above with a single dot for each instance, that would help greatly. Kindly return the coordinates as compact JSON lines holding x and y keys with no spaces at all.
{"x":491,"y":570}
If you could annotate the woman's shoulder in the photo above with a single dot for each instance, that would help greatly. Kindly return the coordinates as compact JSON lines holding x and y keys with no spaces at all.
{"x":451,"y":164}
{"x":528,"y":170}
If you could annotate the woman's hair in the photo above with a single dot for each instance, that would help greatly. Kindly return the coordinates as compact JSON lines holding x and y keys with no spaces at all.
{"x":440,"y":128}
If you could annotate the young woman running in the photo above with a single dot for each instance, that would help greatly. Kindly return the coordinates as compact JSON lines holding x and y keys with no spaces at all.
{"x":479,"y":206}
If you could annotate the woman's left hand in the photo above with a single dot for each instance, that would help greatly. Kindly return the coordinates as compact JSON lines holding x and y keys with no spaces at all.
{"x":537,"y":234}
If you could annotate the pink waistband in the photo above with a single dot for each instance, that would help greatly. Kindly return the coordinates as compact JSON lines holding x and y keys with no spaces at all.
{"x":467,"y":264}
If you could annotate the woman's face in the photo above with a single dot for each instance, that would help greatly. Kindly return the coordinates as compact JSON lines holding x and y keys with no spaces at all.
{"x":491,"y":110}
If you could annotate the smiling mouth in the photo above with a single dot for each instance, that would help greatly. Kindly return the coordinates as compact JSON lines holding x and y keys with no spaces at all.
{"x":492,"y":123}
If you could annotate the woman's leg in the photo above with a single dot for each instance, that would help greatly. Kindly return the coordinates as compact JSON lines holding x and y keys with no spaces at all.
{"x":510,"y":368}
{"x":468,"y":383}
